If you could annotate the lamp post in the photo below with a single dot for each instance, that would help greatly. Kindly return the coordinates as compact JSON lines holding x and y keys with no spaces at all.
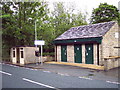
{"x":35,"y":36}
{"x":38,"y":42}
{"x":36,"y":39}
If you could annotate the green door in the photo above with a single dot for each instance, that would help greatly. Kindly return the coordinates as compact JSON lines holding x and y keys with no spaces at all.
{"x":64,"y":53}
{"x":89,"y":53}
{"x":78,"y":53}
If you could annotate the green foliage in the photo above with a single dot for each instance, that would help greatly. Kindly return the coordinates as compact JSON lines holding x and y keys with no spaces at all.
{"x":63,"y":20}
{"x":18,"y":23}
{"x":104,"y":13}
{"x":48,"y":54}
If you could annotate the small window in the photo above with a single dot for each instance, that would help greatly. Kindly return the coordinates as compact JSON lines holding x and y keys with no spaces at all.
{"x":13,"y":53}
{"x":22,"y":54}
{"x":116,"y":35}
{"x":13,"y":48}
{"x":21,"y":48}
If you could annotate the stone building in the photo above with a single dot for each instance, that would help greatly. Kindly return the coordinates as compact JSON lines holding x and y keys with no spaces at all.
{"x":24,"y":55}
{"x":90,"y":44}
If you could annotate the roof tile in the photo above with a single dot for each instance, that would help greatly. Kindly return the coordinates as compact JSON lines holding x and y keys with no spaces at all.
{"x":87,"y":31}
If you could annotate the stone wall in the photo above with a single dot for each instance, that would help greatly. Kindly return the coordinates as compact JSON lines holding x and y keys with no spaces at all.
{"x":110,"y":41}
{"x":13,"y":59}
{"x":95,"y":53}
{"x":29,"y":55}
{"x":111,"y":62}
{"x":83,"y":53}
{"x":58,"y":53}
{"x":70,"y":53}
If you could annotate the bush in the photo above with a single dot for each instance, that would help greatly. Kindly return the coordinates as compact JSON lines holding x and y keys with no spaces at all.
{"x":48,"y":54}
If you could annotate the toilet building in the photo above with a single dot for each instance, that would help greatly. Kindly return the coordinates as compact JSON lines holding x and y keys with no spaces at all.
{"x":24,"y":55}
{"x":88,"y":44}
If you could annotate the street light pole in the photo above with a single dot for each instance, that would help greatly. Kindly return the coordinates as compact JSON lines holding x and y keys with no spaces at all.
{"x":36,"y":43}
{"x":35,"y":32}
{"x":40,"y":58}
{"x":35,"y":38}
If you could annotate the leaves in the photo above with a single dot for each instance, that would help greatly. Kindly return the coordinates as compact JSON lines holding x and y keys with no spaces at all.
{"x":18,"y":23}
{"x":104,"y":13}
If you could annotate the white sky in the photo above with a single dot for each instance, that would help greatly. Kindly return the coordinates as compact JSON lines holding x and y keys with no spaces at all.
{"x":83,"y":5}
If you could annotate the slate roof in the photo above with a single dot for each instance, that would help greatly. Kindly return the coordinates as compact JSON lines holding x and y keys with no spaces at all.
{"x":87,"y":31}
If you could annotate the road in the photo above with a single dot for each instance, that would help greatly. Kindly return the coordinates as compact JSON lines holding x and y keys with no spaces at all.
{"x":21,"y":77}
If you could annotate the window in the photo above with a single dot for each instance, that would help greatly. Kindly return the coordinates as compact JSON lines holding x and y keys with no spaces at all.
{"x":13,"y":53}
{"x":116,"y":35}
{"x":21,"y":48}
{"x":22,"y":54}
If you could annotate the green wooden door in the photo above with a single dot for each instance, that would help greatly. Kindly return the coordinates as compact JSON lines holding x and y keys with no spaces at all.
{"x":89,"y":53}
{"x":78,"y":53}
{"x":64,"y":53}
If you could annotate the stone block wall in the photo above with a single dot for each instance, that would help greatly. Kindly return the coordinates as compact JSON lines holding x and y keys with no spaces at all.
{"x":70,"y":53}
{"x":83,"y":53}
{"x":111,"y":62}
{"x":58,"y":53}
{"x":110,"y":41}
{"x":29,"y":55}
{"x":13,"y":59}
{"x":95,"y":53}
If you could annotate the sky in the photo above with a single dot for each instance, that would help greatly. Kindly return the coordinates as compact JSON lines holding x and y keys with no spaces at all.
{"x":83,"y":5}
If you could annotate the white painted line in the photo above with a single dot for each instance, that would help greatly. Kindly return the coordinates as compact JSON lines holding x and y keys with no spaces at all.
{"x":31,"y":69}
{"x":35,"y":69}
{"x":61,"y":74}
{"x":5,"y":73}
{"x":85,"y":78}
{"x":27,"y":68}
{"x":15,"y":66}
{"x":113,"y":82}
{"x":25,"y":79}
{"x":10,"y":65}
{"x":67,"y":75}
{"x":47,"y":71}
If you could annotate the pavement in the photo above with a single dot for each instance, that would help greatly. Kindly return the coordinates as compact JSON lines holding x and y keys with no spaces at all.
{"x":110,"y":75}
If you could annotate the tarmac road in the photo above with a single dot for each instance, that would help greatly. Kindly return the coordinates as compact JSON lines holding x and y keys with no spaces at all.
{"x":21,"y":77}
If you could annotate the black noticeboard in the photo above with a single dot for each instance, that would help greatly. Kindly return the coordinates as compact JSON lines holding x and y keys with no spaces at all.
{"x":37,"y":53}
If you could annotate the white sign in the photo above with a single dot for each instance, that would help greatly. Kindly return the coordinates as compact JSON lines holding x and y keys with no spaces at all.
{"x":116,"y":35}
{"x":39,"y":42}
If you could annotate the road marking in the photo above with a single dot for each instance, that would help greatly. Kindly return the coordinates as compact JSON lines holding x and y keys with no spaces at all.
{"x":25,"y":79}
{"x":85,"y":78}
{"x":5,"y":73}
{"x":66,"y":75}
{"x":31,"y":69}
{"x":27,"y":68}
{"x":113,"y":82}
{"x":47,"y":71}
{"x":15,"y":66}
{"x":61,"y":74}
{"x":10,"y":65}
{"x":35,"y":69}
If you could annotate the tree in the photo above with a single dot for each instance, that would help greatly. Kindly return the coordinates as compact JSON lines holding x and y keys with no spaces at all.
{"x":104,"y":13}
{"x":63,"y":19}
{"x":17,"y":29}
